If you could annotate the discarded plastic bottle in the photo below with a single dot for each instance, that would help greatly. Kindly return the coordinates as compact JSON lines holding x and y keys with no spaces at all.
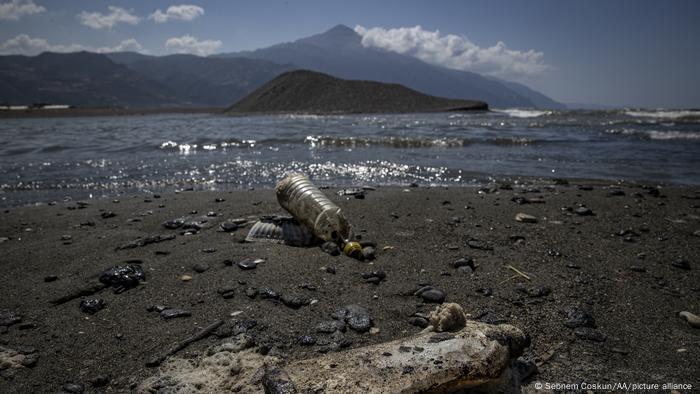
{"x":312,"y":208}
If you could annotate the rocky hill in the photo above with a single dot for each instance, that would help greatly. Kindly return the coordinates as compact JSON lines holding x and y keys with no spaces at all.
{"x":304,"y":91}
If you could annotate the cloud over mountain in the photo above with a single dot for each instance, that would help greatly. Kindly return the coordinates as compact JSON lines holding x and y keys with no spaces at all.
{"x":455,"y":52}
{"x":18,"y":8}
{"x":191,"y":45}
{"x":182,"y":12}
{"x":26,"y":45}
{"x":116,"y":15}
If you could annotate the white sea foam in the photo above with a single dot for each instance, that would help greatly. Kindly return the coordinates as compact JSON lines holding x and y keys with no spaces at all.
{"x":673,"y":135}
{"x":523,"y":113}
{"x":664,"y":114}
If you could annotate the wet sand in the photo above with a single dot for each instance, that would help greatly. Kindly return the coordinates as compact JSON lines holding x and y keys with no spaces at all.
{"x":617,"y":264}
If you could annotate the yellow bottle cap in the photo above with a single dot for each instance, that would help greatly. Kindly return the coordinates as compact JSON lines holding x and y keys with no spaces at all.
{"x":352,"y":249}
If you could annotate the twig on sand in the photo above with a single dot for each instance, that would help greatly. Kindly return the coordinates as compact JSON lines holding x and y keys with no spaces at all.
{"x":517,"y":271}
{"x":87,"y":290}
{"x":203,"y":333}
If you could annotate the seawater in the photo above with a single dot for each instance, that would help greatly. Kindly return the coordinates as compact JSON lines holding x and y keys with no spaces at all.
{"x":44,"y":159}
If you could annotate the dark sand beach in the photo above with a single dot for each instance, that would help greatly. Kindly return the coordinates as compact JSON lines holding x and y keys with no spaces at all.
{"x":621,"y":262}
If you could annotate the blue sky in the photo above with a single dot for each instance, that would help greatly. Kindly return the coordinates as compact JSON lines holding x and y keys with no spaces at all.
{"x":621,"y":53}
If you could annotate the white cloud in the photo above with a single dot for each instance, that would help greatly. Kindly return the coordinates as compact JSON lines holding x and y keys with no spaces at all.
{"x":26,"y":45}
{"x":18,"y":8}
{"x":116,"y":15}
{"x":455,"y":52}
{"x":189,"y":44}
{"x":183,"y":12}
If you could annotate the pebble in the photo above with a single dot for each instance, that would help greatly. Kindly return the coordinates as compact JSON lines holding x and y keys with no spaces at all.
{"x":330,"y":326}
{"x":307,"y":340}
{"x":374,"y":277}
{"x":485,"y":291}
{"x":228,"y":226}
{"x":173,"y":224}
{"x":92,"y":305}
{"x":251,"y":292}
{"x":186,"y":278}
{"x":590,"y":334}
{"x":66,"y":237}
{"x":219,"y":199}
{"x":418,"y":321}
{"x":108,"y":214}
{"x":583,"y":211}
{"x":50,"y":278}
{"x":294,"y":302}
{"x":9,"y":318}
{"x":330,"y":269}
{"x":539,"y":291}
{"x":227,"y":292}
{"x":431,"y":294}
{"x":174,"y":313}
{"x":123,"y":277}
{"x":200,"y":268}
{"x":247,"y":264}
{"x":368,"y":253}
{"x":209,"y":250}
{"x":267,"y":293}
{"x":99,"y":381}
{"x":331,"y":248}
{"x":74,"y":388}
{"x":356,"y":317}
{"x":212,"y":214}
{"x":525,"y":218}
{"x":464,"y":262}
{"x":682,"y":264}
{"x":478,"y":244}
{"x":577,"y":317}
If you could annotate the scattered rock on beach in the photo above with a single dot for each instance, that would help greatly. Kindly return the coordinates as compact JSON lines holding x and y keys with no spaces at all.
{"x":247,"y":264}
{"x":355,"y":316}
{"x":227,"y":292}
{"x":368,"y":253}
{"x":463,"y":262}
{"x":578,"y":317}
{"x":174,"y":313}
{"x":50,"y":278}
{"x":74,"y":388}
{"x":173,"y":224}
{"x":682,"y":264}
{"x":590,"y":334}
{"x":228,"y":226}
{"x":293,"y":301}
{"x":200,"y":268}
{"x":123,"y":277}
{"x":331,"y":248}
{"x":431,"y":294}
{"x":525,"y":218}
{"x":330,"y":326}
{"x":8,"y":318}
{"x":583,"y":211}
{"x":374,"y":277}
{"x":307,"y":340}
{"x":108,"y":214}
{"x":92,"y":305}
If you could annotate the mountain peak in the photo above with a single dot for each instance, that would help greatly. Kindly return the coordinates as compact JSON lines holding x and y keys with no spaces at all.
{"x":338,"y":35}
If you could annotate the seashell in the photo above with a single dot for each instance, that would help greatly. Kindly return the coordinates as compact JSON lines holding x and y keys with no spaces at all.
{"x":281,"y":230}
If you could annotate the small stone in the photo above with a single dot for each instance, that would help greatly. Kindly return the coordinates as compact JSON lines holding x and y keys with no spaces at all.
{"x":74,"y":388}
{"x":331,"y":248}
{"x":525,"y":218}
{"x":200,"y":268}
{"x":374,"y":277}
{"x":431,"y":295}
{"x":540,"y":291}
{"x":682,"y":264}
{"x":267,"y":293}
{"x":228,"y":226}
{"x":247,"y":264}
{"x":173,"y":224}
{"x":50,"y":278}
{"x":583,"y":211}
{"x":66,"y":237}
{"x":251,"y":292}
{"x":212,"y":214}
{"x":577,"y":317}
{"x":479,"y":244}
{"x":356,"y":317}
{"x":92,"y":305}
{"x":228,"y":263}
{"x":9,"y":318}
{"x":209,"y":250}
{"x":307,"y":340}
{"x":590,"y":334}
{"x":227,"y":292}
{"x":185,"y":278}
{"x":108,"y":214}
{"x":375,"y":331}
{"x":464,"y":262}
{"x":330,"y":270}
{"x":123,"y":277}
{"x":330,"y":326}
{"x":637,"y":268}
{"x":219,"y":199}
{"x":293,"y":301}
{"x":485,"y":291}
{"x":418,"y":321}
{"x":174,"y":313}
{"x":368,"y":253}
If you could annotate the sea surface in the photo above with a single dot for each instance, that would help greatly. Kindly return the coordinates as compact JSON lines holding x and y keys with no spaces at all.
{"x":47,"y":159}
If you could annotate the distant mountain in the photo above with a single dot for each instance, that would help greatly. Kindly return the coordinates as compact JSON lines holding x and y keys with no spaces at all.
{"x":203,"y":81}
{"x":81,"y":79}
{"x":304,"y":91}
{"x":339,"y":52}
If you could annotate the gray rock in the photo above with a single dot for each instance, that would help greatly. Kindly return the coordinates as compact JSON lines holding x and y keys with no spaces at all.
{"x":92,"y":305}
{"x":418,"y":321}
{"x":8,"y":318}
{"x":294,"y":302}
{"x":463,"y":262}
{"x":583,"y":211}
{"x":590,"y":334}
{"x":228,"y":226}
{"x":331,"y":248}
{"x":577,"y":317}
{"x":356,"y":317}
{"x":174,"y":313}
{"x":74,"y":388}
{"x":330,"y":326}
{"x":307,"y":340}
{"x":682,"y":264}
{"x":200,"y":268}
{"x":431,"y":294}
{"x":368,"y":253}
{"x":247,"y":264}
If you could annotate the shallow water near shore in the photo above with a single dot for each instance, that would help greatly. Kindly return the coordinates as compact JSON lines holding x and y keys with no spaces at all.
{"x":43,"y":159}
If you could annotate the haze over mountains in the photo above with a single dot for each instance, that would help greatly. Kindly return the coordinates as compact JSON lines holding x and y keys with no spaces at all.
{"x":136,"y":81}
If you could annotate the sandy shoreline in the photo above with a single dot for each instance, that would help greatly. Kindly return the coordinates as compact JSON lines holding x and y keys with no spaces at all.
{"x":617,"y":264}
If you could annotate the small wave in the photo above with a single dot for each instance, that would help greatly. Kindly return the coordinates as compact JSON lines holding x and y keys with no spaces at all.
{"x":657,"y":134}
{"x":523,"y":113}
{"x":664,"y":114}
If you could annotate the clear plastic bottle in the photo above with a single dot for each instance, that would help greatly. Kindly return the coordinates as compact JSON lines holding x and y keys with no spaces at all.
{"x":312,"y":208}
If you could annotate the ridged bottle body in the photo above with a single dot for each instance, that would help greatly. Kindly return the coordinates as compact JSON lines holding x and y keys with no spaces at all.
{"x":311,"y":207}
